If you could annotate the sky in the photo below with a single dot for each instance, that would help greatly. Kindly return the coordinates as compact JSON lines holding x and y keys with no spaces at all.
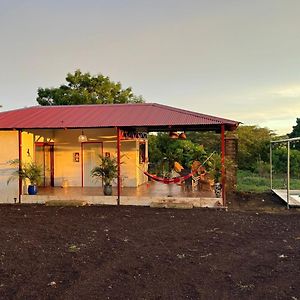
{"x":237,"y":59}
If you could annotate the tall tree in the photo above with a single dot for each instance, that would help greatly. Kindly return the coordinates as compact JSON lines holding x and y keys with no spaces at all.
{"x":163,"y":152}
{"x":296,"y":129}
{"x":209,"y":139}
{"x":83,"y":88}
{"x":295,"y":133}
{"x":254,"y":144}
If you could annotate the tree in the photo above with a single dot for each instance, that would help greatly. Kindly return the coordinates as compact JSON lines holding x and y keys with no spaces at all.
{"x":83,"y":88}
{"x":295,"y":133}
{"x":209,"y":139}
{"x":254,"y":144}
{"x":164,"y":151}
{"x":296,"y":130}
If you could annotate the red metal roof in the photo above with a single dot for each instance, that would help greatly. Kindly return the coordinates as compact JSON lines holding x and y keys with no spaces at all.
{"x":149,"y":115}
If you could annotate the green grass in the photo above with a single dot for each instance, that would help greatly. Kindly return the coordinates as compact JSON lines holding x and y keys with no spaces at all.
{"x":251,"y":182}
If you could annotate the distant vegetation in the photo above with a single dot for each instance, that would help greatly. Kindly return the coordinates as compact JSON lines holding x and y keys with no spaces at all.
{"x":253,"y":155}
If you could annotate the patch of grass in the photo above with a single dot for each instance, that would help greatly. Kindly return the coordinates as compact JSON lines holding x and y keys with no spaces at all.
{"x":252,"y":182}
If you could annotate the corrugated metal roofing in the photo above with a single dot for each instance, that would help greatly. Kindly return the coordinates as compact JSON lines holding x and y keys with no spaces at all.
{"x":114,"y":115}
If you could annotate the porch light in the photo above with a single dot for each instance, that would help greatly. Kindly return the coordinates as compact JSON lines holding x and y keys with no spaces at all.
{"x":82,"y":138}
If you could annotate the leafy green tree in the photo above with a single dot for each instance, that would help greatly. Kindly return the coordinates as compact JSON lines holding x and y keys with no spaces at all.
{"x":296,"y":130}
{"x":254,"y":143}
{"x":295,"y":133}
{"x":164,"y":151}
{"x":209,"y":139}
{"x":279,"y":158}
{"x":83,"y":88}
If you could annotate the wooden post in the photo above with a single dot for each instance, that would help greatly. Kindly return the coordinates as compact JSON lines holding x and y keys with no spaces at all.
{"x":223,"y":163}
{"x":119,"y":163}
{"x":20,"y":164}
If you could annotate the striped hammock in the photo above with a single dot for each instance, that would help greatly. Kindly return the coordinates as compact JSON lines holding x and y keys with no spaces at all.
{"x":168,"y":180}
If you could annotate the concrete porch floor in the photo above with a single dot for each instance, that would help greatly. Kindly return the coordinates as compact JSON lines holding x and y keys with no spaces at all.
{"x":145,"y":195}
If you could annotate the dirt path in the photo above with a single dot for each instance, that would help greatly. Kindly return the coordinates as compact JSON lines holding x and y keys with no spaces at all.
{"x":144,"y":253}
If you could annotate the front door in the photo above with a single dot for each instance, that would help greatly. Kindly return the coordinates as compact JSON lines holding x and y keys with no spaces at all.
{"x":91,"y":152}
{"x":44,"y":156}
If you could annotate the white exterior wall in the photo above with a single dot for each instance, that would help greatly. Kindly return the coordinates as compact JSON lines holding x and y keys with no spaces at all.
{"x":9,"y":151}
{"x":66,"y":143}
{"x":129,"y":154}
{"x":131,"y":170}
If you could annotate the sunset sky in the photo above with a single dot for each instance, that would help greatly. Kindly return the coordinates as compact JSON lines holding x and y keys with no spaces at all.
{"x":236,"y":59}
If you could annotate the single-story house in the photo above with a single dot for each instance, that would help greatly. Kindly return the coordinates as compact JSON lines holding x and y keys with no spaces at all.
{"x":66,"y":141}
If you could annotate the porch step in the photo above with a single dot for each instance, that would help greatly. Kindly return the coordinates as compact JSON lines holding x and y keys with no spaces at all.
{"x":180,"y":205}
{"x":65,"y":203}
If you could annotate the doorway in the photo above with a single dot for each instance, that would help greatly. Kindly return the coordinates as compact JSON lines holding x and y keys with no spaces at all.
{"x":90,"y":158}
{"x":44,"y":156}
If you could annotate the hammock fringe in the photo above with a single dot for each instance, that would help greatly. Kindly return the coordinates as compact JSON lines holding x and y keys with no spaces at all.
{"x":168,"y":180}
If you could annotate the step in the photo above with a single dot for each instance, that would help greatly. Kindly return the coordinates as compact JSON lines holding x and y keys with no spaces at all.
{"x":65,"y":203}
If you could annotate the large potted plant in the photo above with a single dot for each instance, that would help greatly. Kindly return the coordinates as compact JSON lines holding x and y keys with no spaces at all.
{"x":107,"y":170}
{"x":30,"y":171}
{"x":215,"y":173}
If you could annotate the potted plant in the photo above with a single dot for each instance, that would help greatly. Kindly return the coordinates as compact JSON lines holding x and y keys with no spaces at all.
{"x":107,"y":170}
{"x":30,"y":171}
{"x":215,"y":173}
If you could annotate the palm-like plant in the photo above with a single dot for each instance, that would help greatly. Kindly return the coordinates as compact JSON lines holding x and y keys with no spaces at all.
{"x":31,"y":171}
{"x":107,"y":169}
{"x":215,"y":167}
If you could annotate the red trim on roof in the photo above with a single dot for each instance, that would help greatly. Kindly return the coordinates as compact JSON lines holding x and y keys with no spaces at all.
{"x":107,"y":115}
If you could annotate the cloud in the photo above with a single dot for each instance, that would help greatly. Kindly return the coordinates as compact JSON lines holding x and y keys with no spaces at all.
{"x":276,"y":108}
{"x":288,"y":92}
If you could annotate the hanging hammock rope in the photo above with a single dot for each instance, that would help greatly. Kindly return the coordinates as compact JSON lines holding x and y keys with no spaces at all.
{"x":168,"y":180}
{"x":177,"y":179}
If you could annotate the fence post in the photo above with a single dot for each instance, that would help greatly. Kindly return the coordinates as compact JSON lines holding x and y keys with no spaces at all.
{"x":288,"y":174}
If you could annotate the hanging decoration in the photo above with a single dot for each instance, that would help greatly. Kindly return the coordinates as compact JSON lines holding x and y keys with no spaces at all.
{"x":128,"y":135}
{"x":173,"y":135}
{"x":182,"y":136}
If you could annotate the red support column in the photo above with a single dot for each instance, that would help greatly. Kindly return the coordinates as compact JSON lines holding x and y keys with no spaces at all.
{"x":81,"y":163}
{"x":223,"y":163}
{"x":20,"y":164}
{"x":119,"y":163}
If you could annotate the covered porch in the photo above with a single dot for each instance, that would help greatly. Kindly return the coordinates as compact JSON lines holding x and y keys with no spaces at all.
{"x":117,"y":130}
{"x":148,"y":194}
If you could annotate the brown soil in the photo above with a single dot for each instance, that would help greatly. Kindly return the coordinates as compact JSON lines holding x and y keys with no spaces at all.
{"x":143,"y":253}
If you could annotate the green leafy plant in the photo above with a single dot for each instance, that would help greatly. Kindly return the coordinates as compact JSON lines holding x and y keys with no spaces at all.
{"x":31,"y":171}
{"x":214,"y":166}
{"x":164,"y":151}
{"x":107,"y":169}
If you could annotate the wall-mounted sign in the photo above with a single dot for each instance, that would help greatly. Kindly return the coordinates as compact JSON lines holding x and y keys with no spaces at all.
{"x":76,"y":157}
{"x":127,"y":135}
